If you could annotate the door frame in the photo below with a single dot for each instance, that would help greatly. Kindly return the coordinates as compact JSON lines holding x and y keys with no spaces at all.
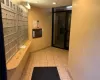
{"x":2,"y":50}
{"x":65,"y":39}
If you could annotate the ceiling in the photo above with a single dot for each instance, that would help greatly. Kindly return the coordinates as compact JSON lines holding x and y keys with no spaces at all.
{"x":46,"y":3}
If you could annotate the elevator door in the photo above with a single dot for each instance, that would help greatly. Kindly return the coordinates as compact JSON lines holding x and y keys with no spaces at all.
{"x":61,"y":29}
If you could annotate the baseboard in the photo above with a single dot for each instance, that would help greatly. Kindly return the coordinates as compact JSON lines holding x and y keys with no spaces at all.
{"x":69,"y":74}
{"x":40,"y":49}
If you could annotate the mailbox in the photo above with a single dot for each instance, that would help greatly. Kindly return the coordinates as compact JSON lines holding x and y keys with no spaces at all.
{"x":37,"y":33}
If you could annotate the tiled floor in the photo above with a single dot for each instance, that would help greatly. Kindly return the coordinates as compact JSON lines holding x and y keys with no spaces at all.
{"x":46,"y":58}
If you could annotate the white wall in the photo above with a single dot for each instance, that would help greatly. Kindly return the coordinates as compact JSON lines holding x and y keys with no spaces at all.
{"x":84,"y":53}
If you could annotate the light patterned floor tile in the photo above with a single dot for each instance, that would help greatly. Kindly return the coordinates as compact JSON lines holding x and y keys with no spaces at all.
{"x":50,"y":57}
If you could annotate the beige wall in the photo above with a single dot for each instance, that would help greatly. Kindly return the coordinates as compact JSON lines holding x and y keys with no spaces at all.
{"x":45,"y":19}
{"x":84,"y":53}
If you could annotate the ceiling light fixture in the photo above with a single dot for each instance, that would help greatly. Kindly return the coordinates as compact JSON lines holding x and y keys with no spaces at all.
{"x":69,"y":7}
{"x":28,"y":6}
{"x":54,"y":3}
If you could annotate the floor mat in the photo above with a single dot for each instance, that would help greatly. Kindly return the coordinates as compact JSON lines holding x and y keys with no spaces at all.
{"x":45,"y":73}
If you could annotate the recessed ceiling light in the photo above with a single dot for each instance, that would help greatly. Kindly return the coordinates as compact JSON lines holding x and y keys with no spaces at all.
{"x":54,"y":3}
{"x":36,"y":2}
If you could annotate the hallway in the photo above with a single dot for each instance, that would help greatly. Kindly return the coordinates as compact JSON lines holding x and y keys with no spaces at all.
{"x":30,"y":29}
{"x":49,"y":57}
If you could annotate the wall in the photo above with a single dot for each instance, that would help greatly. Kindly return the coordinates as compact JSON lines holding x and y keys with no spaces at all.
{"x":84,"y":53}
{"x":45,"y":18}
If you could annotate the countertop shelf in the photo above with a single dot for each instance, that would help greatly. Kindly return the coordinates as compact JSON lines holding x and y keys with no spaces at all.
{"x":17,"y":58}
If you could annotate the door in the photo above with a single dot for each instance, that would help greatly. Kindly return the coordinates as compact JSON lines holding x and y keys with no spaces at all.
{"x":61,"y":29}
{"x":68,"y":25}
{"x":3,"y":76}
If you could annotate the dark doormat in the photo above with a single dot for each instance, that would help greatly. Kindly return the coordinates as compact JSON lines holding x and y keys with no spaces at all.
{"x":45,"y":73}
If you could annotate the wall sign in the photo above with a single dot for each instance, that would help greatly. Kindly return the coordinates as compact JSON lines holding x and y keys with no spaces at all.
{"x":36,"y":24}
